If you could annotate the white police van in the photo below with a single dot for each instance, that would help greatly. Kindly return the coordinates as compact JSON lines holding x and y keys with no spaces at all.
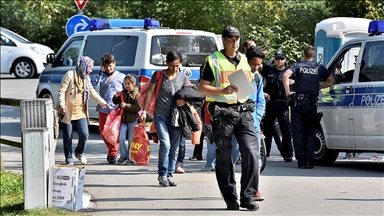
{"x":139,"y":46}
{"x":353,"y":108}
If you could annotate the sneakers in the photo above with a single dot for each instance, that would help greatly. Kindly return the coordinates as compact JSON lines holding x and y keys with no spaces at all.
{"x":258,"y":196}
{"x":112,"y":160}
{"x":207,"y":169}
{"x":250,"y":205}
{"x":163,"y":181}
{"x":82,"y":159}
{"x":194,"y":158}
{"x":122,"y":160}
{"x":130,"y":163}
{"x":171,"y":182}
{"x":179,"y":168}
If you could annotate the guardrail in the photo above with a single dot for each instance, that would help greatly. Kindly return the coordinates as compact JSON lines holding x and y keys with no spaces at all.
{"x":16,"y":103}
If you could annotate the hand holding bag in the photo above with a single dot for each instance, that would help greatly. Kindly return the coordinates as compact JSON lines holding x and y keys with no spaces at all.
{"x":112,"y":125}
{"x":140,"y":149}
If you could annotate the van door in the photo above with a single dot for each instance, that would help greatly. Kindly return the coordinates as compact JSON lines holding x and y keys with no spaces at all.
{"x":368,"y":112}
{"x":336,"y":102}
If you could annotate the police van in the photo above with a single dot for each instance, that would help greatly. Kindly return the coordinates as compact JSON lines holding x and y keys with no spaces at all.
{"x":139,"y":46}
{"x":353,"y":108}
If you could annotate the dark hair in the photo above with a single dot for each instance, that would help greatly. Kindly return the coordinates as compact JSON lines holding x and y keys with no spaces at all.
{"x":131,"y":78}
{"x":245,"y":45}
{"x":174,"y":55}
{"x":107,"y":59}
{"x":309,"y":51}
{"x":254,"y":52}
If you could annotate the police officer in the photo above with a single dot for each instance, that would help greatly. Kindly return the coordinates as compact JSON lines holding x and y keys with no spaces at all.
{"x":276,"y":106}
{"x":230,"y":116}
{"x":306,"y":75}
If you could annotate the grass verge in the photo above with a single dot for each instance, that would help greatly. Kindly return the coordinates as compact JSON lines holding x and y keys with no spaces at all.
{"x":12,"y":198}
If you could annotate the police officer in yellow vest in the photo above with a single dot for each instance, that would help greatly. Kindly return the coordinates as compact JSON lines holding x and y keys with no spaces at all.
{"x":230,"y":116}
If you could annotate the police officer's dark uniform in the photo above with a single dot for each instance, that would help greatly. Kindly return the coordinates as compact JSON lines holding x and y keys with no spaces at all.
{"x":277,"y":106}
{"x":232,"y":116}
{"x":307,"y":76}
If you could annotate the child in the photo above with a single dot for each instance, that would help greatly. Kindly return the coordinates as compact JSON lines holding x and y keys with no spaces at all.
{"x":129,"y":118}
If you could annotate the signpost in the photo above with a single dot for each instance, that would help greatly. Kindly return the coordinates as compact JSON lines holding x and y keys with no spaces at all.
{"x":77,"y":23}
{"x":81,"y":4}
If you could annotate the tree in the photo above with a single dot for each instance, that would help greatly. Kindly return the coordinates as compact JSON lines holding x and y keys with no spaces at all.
{"x":370,"y":9}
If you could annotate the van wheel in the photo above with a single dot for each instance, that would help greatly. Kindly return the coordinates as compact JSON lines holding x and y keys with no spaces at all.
{"x":23,"y":68}
{"x":323,"y":156}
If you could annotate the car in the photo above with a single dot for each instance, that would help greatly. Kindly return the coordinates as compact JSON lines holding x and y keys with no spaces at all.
{"x":139,"y":50}
{"x":353,"y":108}
{"x":21,"y":57}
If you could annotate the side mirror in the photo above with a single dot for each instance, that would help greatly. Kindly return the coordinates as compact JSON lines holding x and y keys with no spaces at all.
{"x":50,"y":58}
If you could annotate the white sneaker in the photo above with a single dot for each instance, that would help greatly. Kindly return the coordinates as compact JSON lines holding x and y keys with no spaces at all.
{"x":207,"y":169}
{"x":82,"y":159}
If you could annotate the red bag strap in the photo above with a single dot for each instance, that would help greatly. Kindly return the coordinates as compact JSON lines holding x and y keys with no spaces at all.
{"x":122,"y":100}
{"x":159,"y":79}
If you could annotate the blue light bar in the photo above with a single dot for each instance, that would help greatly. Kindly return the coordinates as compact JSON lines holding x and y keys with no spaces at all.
{"x":376,"y":27}
{"x":98,"y":24}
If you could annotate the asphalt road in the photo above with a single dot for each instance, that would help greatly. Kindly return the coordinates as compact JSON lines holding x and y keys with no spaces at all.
{"x":349,"y":187}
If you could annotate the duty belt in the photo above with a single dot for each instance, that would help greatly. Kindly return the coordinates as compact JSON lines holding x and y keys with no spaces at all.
{"x":240,"y":107}
{"x":278,"y":100}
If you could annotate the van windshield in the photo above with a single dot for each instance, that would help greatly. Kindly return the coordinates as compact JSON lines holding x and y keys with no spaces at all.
{"x":193,"y":48}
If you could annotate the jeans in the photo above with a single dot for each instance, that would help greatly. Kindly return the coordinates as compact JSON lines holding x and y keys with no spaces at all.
{"x":124,"y":127}
{"x":235,"y":147}
{"x":169,"y":139}
{"x":81,"y":126}
{"x":211,"y":154}
{"x":181,"y":155}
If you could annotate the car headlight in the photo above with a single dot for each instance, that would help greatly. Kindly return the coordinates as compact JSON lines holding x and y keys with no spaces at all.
{"x":38,"y":50}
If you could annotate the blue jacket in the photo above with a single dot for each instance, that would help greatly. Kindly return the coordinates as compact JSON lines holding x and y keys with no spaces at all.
{"x":258,"y":97}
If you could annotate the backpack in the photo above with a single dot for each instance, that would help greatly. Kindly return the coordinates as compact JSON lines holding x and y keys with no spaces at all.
{"x":143,"y":92}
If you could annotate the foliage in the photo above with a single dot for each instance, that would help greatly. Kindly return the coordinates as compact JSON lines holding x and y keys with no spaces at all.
{"x":12,"y":197}
{"x":370,"y":9}
{"x":273,"y":24}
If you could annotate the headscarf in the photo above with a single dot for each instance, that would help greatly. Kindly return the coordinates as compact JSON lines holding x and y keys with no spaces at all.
{"x":84,"y":68}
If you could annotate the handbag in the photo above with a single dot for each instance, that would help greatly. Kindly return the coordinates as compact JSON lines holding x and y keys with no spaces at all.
{"x":140,"y":149}
{"x":112,"y":124}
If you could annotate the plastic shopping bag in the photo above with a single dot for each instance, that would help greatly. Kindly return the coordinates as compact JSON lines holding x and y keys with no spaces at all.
{"x":112,"y":126}
{"x":140,"y":147}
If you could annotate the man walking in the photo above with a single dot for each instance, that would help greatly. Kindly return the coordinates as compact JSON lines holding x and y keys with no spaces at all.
{"x":230,"y":116}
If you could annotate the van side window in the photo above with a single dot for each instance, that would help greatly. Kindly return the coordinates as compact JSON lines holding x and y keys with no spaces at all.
{"x":344,"y":66}
{"x":123,"y":47}
{"x":70,"y":54}
{"x":372,"y":64}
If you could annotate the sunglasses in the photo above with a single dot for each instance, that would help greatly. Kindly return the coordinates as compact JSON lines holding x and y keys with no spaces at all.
{"x":279,"y":58}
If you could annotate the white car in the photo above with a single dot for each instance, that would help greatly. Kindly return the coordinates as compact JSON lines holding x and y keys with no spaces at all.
{"x":20,"y":56}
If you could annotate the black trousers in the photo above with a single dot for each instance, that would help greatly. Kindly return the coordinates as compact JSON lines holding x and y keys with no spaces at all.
{"x":242,"y":128}
{"x":303,"y":125}
{"x":280,"y":111}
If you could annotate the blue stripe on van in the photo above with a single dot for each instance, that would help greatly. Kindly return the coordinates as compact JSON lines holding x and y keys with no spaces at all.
{"x":360,"y":96}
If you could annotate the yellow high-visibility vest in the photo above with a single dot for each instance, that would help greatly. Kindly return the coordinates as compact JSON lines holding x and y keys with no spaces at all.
{"x":221,"y":69}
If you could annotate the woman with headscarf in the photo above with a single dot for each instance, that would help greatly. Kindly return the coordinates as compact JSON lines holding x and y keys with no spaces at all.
{"x":74,"y":92}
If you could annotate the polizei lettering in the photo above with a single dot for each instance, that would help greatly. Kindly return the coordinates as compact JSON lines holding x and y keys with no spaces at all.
{"x":308,"y":70}
{"x":372,"y":100}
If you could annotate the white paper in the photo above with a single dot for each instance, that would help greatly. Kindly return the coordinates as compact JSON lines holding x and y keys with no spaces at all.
{"x":245,"y":87}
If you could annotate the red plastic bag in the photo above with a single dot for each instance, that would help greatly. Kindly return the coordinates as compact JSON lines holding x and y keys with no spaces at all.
{"x":143,"y":92}
{"x":112,"y":124}
{"x":112,"y":127}
{"x":140,"y":149}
